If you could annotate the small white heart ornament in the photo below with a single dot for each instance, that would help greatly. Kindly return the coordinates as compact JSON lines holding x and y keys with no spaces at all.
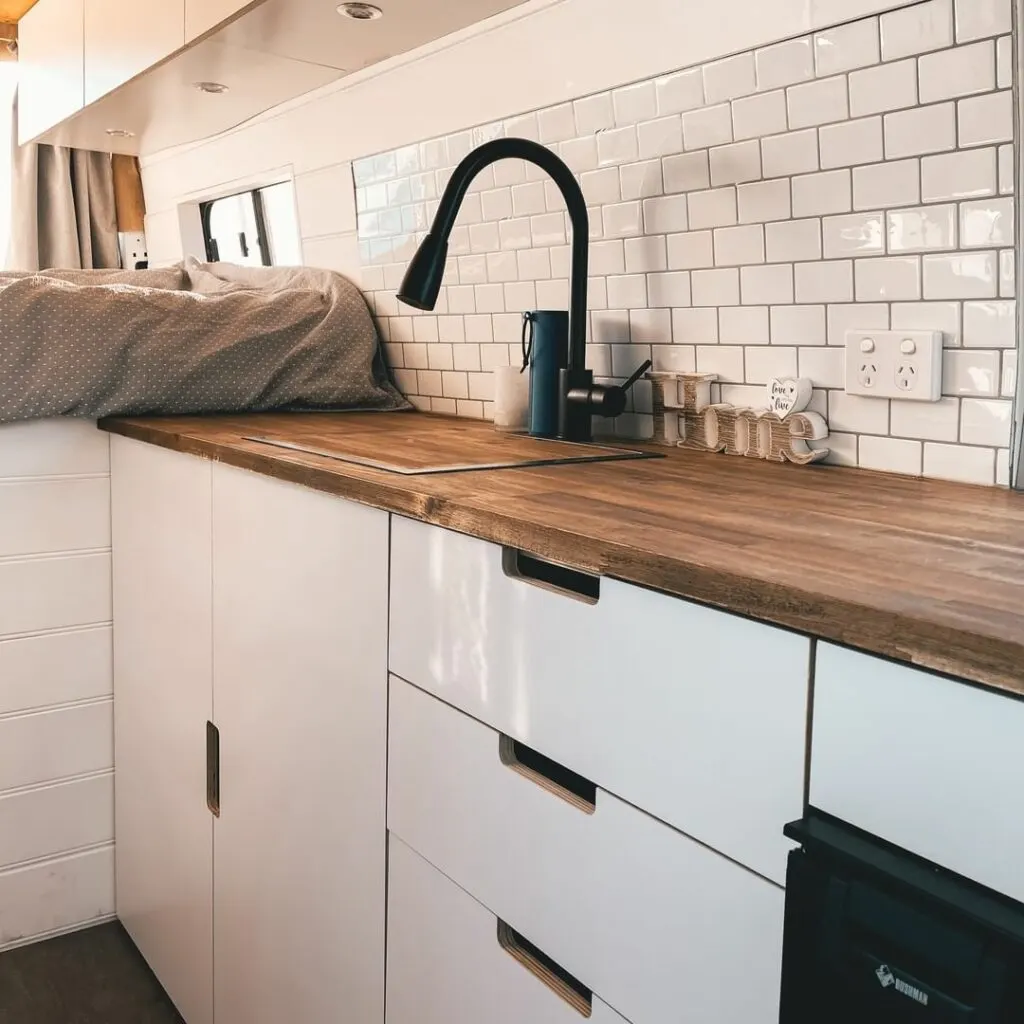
{"x":787,"y":395}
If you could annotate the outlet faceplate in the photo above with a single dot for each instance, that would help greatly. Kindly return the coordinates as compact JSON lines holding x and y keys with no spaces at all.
{"x":133,"y":249}
{"x":894,"y":364}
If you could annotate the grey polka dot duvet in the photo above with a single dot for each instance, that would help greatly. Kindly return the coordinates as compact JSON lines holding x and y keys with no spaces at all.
{"x":190,"y":339}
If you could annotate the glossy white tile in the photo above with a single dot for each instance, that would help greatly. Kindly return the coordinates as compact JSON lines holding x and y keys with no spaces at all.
{"x":977,"y":19}
{"x":969,"y":174}
{"x":691,"y":250}
{"x":991,"y":324}
{"x":818,"y":194}
{"x":623,"y":220}
{"x":850,"y":46}
{"x":768,"y":285}
{"x":961,"y":276}
{"x":627,"y":292}
{"x":851,"y":142}
{"x":594,"y":113}
{"x":724,"y":360}
{"x":737,"y":246}
{"x":1004,"y":62}
{"x":820,"y":102}
{"x":641,"y":180}
{"x":888,"y":279}
{"x":891,"y":455}
{"x":794,"y":153}
{"x":515,"y":233}
{"x":715,"y":287}
{"x":617,"y":146}
{"x":843,"y":317}
{"x":713,"y":208}
{"x":726,"y":79}
{"x":918,"y":29}
{"x":929,"y":316}
{"x":681,"y":91}
{"x":804,"y":325}
{"x":783,"y":64}
{"x":707,"y":126}
{"x":764,"y":364}
{"x":1007,"y":274}
{"x":922,"y":229}
{"x":857,"y":234}
{"x":764,"y":201}
{"x":793,"y":241}
{"x":987,"y":223}
{"x":662,"y":137}
{"x":646,"y":254}
{"x":686,"y":172}
{"x":743,"y":325}
{"x":824,"y":282}
{"x":601,"y":187}
{"x":884,"y":185}
{"x":961,"y":71}
{"x":634,"y":103}
{"x":1007,"y":171}
{"x":696,"y":326}
{"x":579,"y":154}
{"x":886,"y":87}
{"x":761,"y":114}
{"x":920,"y":130}
{"x":1009,"y":385}
{"x":736,"y":163}
{"x":665,"y":214}
{"x":857,"y":414}
{"x":960,"y":463}
{"x":556,"y":124}
{"x":927,"y":421}
{"x":986,"y":120}
{"x":825,"y":367}
{"x":970,"y":372}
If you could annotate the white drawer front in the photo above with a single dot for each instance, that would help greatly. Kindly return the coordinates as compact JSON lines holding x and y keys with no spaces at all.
{"x":696,"y":716}
{"x":445,"y":965}
{"x":648,"y":919}
{"x":932,"y":765}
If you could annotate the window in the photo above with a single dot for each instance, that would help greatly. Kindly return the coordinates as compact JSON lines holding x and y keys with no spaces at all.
{"x":8,"y":80}
{"x":256,"y":228}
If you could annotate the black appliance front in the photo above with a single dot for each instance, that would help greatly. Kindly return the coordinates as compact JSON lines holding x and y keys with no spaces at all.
{"x":875,"y":935}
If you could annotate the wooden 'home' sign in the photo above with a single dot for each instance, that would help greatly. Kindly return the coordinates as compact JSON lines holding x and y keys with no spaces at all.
{"x":684,"y":415}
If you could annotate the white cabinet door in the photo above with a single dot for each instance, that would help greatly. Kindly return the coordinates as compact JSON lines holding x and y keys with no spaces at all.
{"x":125,"y":37}
{"x":50,"y":66}
{"x":162,"y":702}
{"x":202,"y":15}
{"x":300,"y":649}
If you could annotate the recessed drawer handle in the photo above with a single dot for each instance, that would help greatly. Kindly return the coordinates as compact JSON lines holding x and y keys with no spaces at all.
{"x":560,"y":981}
{"x":518,"y":565}
{"x":548,"y":774}
{"x":213,"y":769}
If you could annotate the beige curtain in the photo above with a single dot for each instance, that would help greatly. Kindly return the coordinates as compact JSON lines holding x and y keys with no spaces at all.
{"x":63,"y":213}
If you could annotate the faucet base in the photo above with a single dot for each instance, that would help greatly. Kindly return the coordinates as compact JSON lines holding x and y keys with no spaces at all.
{"x":575,"y":415}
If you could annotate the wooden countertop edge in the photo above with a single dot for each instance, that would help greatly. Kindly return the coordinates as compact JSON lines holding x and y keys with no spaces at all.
{"x":968,"y":656}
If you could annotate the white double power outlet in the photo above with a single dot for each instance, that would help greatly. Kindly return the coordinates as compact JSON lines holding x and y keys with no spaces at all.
{"x":894,"y":364}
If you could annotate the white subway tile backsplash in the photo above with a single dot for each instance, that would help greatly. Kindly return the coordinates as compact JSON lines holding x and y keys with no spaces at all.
{"x":920,"y":131}
{"x":793,"y":240}
{"x":761,"y":114}
{"x":883,"y":88}
{"x":922,"y":229}
{"x":891,"y":184}
{"x":918,"y":29}
{"x":960,"y":463}
{"x":855,"y":45}
{"x":726,"y":79}
{"x":736,"y":163}
{"x":857,"y":234}
{"x":762,"y":201}
{"x":961,"y":276}
{"x":971,"y":372}
{"x":825,"y":367}
{"x":680,"y":92}
{"x":686,"y":172}
{"x":738,"y":246}
{"x":713,"y":208}
{"x":818,"y":194}
{"x":691,"y":250}
{"x":795,"y":153}
{"x":634,"y":103}
{"x":990,"y":324}
{"x":744,"y":217}
{"x":986,"y":120}
{"x":800,"y":325}
{"x":969,"y":174}
{"x":743,"y":325}
{"x":987,"y":223}
{"x":928,"y":316}
{"x":824,"y":282}
{"x":696,"y":326}
{"x":768,"y":285}
{"x":976,"y":19}
{"x":707,"y":126}
{"x":783,"y":64}
{"x":851,"y":142}
{"x":820,"y":102}
{"x":890,"y":455}
{"x":662,"y":137}
{"x":715,"y":287}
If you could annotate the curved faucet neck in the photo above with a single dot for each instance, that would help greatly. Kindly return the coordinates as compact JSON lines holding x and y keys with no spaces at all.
{"x":546,"y":160}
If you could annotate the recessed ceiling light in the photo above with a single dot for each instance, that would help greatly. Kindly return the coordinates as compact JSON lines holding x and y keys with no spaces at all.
{"x":360,"y":12}
{"x":213,"y":88}
{"x":120,"y":133}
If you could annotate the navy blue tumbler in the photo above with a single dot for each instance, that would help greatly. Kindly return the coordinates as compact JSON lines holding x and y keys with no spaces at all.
{"x":546,"y":348}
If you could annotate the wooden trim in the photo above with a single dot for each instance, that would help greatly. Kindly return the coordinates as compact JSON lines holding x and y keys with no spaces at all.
{"x":8,"y":35}
{"x":128,"y":195}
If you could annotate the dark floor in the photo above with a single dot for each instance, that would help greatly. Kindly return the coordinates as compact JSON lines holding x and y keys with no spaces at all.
{"x":91,"y":977}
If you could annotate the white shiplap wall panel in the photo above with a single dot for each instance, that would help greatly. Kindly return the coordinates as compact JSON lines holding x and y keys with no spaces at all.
{"x":49,"y":820}
{"x":56,"y":680}
{"x":55,"y":668}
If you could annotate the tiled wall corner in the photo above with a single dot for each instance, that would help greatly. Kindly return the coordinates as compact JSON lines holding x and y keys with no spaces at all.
{"x":744,"y":215}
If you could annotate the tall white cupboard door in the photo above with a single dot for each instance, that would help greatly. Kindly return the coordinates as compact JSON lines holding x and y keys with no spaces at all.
{"x":50,"y":66}
{"x":162,"y":701}
{"x":124,"y":39}
{"x":300,"y":652}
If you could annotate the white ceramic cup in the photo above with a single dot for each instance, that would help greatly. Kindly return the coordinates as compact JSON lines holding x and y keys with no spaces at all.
{"x":511,"y":399}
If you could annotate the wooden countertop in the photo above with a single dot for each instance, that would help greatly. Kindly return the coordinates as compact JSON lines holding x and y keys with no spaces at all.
{"x":926,"y":572}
